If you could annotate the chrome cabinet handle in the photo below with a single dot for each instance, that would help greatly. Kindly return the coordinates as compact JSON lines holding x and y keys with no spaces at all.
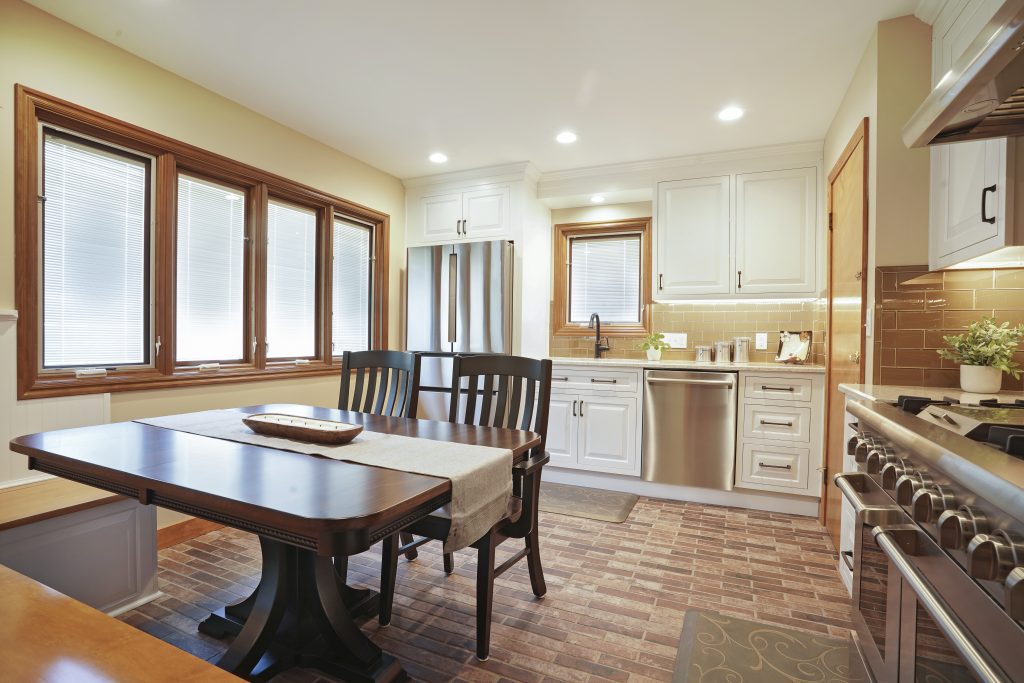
{"x":661,"y":281}
{"x":574,"y":408}
{"x":598,"y":380}
{"x":765,"y":387}
{"x":581,"y":407}
{"x":974,"y":655}
{"x":984,"y":194}
{"x":776,"y":424}
{"x":559,"y":379}
{"x":739,"y":279}
{"x":465,"y":227}
{"x":774,"y":467}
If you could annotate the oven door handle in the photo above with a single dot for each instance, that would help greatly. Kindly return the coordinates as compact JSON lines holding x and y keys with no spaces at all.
{"x":975,"y":656}
{"x":851,"y":484}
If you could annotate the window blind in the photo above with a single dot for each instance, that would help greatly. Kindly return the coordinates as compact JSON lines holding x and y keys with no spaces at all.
{"x":291,"y":281}
{"x":95,"y":279}
{"x":210,"y":272}
{"x":605,"y":278}
{"x":350,"y":284}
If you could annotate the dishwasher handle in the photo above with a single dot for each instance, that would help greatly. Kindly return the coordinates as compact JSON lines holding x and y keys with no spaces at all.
{"x":705,"y":382}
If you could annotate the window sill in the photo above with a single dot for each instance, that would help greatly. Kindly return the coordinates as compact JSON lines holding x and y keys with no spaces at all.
{"x":49,"y":387}
{"x":610,"y":330}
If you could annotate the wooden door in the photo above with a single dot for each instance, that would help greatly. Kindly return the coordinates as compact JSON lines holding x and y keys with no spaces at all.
{"x":607,"y":434}
{"x":486,"y":213}
{"x":441,"y":216}
{"x":694,"y":238}
{"x":847,"y":292}
{"x":776,"y":227}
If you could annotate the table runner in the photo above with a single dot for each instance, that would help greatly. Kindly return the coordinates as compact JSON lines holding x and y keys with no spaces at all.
{"x":481,"y":476}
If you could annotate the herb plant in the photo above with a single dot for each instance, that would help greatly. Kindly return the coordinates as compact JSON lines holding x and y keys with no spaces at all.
{"x":986,"y":343}
{"x":655,"y":342}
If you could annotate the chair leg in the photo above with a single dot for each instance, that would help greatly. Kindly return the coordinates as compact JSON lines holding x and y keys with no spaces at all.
{"x":484,"y":595}
{"x":405,"y":537}
{"x":540,"y":587}
{"x":388,"y":573}
{"x":449,"y":563}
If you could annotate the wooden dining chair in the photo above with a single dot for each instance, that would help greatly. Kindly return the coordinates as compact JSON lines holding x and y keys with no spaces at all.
{"x":385,"y":382}
{"x":500,"y":391}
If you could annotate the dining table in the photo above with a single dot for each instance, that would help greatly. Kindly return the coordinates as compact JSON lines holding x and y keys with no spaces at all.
{"x":310,"y":513}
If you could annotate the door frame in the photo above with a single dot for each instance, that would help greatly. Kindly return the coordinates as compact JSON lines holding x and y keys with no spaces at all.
{"x":860,"y":135}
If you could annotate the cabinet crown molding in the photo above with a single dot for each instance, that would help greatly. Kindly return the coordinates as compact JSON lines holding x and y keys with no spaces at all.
{"x":504,"y":173}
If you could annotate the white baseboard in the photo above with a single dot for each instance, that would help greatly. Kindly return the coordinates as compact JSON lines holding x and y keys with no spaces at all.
{"x":753,"y":500}
{"x":129,"y":606}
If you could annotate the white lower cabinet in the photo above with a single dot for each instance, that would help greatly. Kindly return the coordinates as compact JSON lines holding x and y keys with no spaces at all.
{"x":779,"y":440}
{"x":596,"y":429}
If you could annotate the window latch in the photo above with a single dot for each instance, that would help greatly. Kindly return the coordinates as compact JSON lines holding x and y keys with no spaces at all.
{"x":156,"y":345}
{"x":41,"y":197}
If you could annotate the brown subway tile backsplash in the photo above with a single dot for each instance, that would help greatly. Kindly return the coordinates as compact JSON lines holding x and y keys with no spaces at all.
{"x":915,"y":309}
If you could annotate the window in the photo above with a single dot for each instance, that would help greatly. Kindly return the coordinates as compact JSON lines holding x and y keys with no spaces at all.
{"x":291,"y":281}
{"x":602,"y":268}
{"x":351,"y":284}
{"x":95,"y":254}
{"x":153,"y":263}
{"x":210,"y":277}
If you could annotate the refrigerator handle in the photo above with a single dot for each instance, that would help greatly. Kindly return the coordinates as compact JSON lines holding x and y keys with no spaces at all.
{"x":453,"y":267}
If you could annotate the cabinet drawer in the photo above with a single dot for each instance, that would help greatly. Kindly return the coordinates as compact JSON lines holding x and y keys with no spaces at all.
{"x":596,"y":379}
{"x":771,"y":388}
{"x":774,"y":465}
{"x":777,"y":422}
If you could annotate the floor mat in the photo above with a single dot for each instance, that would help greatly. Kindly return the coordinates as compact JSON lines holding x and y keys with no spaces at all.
{"x":576,"y":501}
{"x":715,"y":648}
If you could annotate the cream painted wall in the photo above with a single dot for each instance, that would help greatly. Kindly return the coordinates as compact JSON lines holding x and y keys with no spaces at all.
{"x":601,"y":212}
{"x":42,"y":52}
{"x":889,"y":83}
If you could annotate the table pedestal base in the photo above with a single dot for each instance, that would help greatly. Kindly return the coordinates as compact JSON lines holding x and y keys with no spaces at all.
{"x":301,"y":615}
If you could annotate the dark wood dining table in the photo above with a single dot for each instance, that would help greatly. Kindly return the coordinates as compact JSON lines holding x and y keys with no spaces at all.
{"x":311,"y":513}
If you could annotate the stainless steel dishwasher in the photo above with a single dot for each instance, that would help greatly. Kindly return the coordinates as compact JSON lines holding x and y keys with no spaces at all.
{"x":690,"y":428}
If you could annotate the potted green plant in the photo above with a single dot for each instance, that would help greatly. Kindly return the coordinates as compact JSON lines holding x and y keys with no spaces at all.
{"x":654,"y":344}
{"x":984,"y":353}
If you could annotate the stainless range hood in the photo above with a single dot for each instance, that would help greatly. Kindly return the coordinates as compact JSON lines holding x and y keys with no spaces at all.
{"x":982,"y":96}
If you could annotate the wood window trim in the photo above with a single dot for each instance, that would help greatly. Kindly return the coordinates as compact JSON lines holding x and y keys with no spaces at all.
{"x":33,"y":108}
{"x":563,"y":232}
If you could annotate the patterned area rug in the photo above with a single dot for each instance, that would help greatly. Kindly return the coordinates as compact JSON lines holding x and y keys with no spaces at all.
{"x":715,"y":649}
{"x":576,"y":501}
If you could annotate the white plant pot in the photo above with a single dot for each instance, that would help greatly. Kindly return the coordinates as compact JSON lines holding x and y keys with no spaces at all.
{"x":653,"y":354}
{"x":980,"y":379}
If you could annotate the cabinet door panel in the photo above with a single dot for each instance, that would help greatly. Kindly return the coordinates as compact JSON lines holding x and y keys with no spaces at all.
{"x":776,"y":231}
{"x":608,"y":434}
{"x":561,"y":439}
{"x":694,"y":240}
{"x":960,"y":174}
{"x":441,"y":216}
{"x":486,"y":212}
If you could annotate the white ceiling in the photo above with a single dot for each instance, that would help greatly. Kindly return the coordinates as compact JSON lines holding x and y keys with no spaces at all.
{"x":493,"y":81}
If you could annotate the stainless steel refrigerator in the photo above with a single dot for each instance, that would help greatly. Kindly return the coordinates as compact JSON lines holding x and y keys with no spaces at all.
{"x":458,"y":300}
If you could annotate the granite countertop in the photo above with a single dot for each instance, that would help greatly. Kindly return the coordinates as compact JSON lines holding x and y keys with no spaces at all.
{"x":888,"y":393}
{"x":688,"y":365}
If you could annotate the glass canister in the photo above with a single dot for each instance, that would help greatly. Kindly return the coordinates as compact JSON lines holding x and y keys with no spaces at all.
{"x":704,"y":354}
{"x":741,"y":350}
{"x":723,"y":351}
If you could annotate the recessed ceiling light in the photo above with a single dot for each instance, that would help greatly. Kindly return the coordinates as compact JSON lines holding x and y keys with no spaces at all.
{"x":597,"y":198}
{"x":438,"y":157}
{"x":730,"y":113}
{"x":566,"y":137}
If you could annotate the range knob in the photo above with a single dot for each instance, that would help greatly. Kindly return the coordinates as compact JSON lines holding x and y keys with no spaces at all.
{"x":958,"y":527}
{"x":877,"y":458}
{"x":1015,"y":593}
{"x":863,"y":447}
{"x":930,"y":502}
{"x":993,"y":556}
{"x":892,"y":471}
{"x":908,"y":485}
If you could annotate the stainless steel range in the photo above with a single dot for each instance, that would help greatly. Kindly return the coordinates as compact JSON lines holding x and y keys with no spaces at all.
{"x":938,"y":560}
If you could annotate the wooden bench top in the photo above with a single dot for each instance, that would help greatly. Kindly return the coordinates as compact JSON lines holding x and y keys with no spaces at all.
{"x":47,"y":636}
{"x":39,"y":500}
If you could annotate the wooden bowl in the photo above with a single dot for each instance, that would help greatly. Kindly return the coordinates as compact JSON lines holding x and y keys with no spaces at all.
{"x":299,"y":428}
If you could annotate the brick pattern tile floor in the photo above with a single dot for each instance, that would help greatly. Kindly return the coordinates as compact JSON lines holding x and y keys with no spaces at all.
{"x":616,"y":597}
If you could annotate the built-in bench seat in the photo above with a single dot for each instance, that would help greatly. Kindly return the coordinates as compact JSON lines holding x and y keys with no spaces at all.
{"x":47,"y":636}
{"x":39,"y":500}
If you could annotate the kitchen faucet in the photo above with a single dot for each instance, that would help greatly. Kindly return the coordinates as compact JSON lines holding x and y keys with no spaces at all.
{"x":599,"y":348}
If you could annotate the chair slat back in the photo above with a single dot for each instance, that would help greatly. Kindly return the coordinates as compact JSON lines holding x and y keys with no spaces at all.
{"x":501,"y":391}
{"x":380,"y":382}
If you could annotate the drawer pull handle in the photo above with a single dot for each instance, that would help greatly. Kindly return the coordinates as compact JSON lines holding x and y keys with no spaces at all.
{"x":765,"y":387}
{"x":559,"y":379}
{"x":597,"y":380}
{"x":776,"y":424}
{"x":774,"y":467}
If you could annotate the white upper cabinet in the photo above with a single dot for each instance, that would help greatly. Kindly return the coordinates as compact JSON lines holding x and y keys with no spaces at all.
{"x":441,"y":215}
{"x":746,"y":234}
{"x":485,"y":213}
{"x":776,"y":225}
{"x":970,"y":193}
{"x":694,"y":238}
